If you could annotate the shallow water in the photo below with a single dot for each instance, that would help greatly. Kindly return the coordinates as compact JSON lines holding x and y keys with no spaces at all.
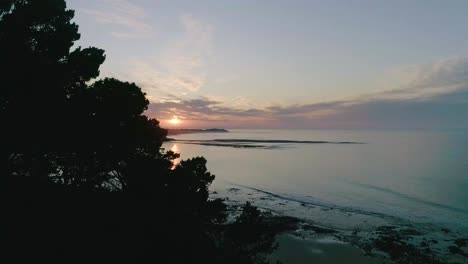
{"x":420,"y":176}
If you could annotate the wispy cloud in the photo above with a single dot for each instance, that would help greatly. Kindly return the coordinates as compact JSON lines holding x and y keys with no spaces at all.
{"x":178,"y":69}
{"x":423,"y":81}
{"x":129,"y":19}
{"x":429,"y":96}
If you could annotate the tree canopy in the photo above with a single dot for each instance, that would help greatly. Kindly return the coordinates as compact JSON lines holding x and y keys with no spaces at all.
{"x":81,"y":166}
{"x":50,"y":109}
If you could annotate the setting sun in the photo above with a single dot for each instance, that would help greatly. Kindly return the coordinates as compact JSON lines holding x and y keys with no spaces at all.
{"x":174,"y":121}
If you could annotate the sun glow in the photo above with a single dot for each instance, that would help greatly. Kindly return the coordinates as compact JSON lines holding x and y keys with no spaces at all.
{"x":174,"y":120}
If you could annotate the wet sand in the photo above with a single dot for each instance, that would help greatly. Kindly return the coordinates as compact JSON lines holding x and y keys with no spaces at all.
{"x":318,"y":250}
{"x":331,"y":234}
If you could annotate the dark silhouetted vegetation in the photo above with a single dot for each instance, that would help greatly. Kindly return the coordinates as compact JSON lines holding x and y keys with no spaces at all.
{"x":83,"y":175}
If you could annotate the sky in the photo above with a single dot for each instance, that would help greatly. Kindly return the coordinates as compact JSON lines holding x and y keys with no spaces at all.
{"x":349,"y":64}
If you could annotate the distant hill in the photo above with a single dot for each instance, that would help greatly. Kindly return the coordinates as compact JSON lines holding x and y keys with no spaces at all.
{"x":190,"y":131}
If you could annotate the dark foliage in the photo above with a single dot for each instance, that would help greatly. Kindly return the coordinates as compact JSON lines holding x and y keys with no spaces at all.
{"x":249,"y":235}
{"x":83,"y":175}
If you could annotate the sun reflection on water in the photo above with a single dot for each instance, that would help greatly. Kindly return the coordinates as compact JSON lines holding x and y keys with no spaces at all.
{"x":175,"y":162}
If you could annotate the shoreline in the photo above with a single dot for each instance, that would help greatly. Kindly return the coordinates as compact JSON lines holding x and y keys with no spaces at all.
{"x":324,"y":231}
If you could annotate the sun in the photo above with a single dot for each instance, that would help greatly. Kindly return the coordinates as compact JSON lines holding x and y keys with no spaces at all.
{"x":174,"y":120}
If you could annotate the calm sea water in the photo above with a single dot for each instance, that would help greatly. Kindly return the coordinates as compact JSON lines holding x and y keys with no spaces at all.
{"x":416,"y":175}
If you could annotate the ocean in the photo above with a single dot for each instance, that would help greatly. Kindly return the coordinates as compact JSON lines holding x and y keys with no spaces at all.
{"x":416,"y":176}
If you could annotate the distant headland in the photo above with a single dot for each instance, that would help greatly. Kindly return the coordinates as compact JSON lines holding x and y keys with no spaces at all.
{"x":178,"y":131}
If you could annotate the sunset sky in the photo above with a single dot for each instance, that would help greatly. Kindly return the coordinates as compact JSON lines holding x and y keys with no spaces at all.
{"x":288,"y":64}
